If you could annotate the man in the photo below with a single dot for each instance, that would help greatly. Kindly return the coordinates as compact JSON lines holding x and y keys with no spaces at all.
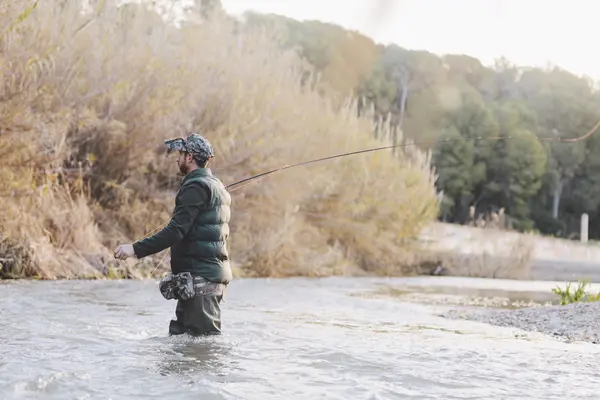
{"x":197,"y":235}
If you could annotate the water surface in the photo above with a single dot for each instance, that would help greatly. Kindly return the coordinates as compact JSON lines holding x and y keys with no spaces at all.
{"x":283,"y":339}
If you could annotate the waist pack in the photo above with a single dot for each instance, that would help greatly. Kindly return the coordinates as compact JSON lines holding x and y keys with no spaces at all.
{"x":184,"y":286}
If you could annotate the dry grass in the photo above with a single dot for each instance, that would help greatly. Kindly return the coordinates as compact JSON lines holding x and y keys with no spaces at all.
{"x":86,"y":100}
{"x":512,"y":261}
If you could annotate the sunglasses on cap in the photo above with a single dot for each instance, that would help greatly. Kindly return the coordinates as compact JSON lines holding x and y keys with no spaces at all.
{"x":178,"y":144}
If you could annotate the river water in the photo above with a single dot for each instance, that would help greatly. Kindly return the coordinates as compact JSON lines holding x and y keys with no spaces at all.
{"x":333,"y":338}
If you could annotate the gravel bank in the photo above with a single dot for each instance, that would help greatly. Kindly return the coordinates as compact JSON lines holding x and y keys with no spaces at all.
{"x":573,"y":322}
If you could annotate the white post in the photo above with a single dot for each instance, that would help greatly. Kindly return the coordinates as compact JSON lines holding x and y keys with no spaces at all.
{"x":584,"y":228}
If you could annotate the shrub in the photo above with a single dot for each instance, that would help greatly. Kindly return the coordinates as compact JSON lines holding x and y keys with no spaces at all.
{"x":87,"y":98}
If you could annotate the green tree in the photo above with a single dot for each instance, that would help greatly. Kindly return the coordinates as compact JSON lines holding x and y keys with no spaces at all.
{"x":458,"y":174}
{"x":562,"y":102}
{"x":515,"y":170}
{"x":460,"y":158}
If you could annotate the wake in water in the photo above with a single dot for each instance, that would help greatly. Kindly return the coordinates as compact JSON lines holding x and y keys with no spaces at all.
{"x":189,"y":356}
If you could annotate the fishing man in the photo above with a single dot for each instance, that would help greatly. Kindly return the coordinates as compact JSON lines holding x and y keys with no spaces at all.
{"x":197,"y":235}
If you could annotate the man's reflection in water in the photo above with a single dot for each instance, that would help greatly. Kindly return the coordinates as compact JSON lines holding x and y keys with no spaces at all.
{"x":189,"y":356}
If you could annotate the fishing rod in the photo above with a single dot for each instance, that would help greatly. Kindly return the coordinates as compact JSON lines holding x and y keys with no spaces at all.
{"x":263,"y":174}
{"x":547,"y":138}
{"x":252,"y":178}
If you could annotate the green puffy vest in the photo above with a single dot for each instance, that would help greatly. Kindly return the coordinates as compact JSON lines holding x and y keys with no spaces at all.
{"x":203,"y":250}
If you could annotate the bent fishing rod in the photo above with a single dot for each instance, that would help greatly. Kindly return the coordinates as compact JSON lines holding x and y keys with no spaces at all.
{"x":263,"y":174}
{"x":252,"y":178}
{"x":493,"y":138}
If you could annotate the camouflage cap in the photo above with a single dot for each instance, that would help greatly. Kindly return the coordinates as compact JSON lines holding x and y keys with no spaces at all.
{"x":194,"y":144}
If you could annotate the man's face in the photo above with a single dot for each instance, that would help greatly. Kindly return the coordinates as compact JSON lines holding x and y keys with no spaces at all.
{"x":184,"y":161}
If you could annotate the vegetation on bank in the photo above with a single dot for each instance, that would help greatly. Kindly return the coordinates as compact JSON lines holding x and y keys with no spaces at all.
{"x":578,"y":295}
{"x":87,"y":98}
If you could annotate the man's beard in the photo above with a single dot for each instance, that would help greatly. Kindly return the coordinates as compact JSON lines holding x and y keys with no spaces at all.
{"x":183,"y":169}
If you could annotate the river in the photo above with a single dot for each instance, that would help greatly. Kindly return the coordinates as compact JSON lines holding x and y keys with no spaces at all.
{"x":333,"y":338}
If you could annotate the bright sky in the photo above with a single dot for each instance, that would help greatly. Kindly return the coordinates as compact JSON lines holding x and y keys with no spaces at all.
{"x":527,"y":32}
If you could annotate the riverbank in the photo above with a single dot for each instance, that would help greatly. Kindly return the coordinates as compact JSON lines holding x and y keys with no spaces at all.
{"x":442,"y":249}
{"x":529,"y":306}
{"x":570,"y":323}
{"x":498,"y":253}
{"x":16,"y":263}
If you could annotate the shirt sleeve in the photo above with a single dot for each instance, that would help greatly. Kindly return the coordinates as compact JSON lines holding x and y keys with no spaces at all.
{"x":191,"y":199}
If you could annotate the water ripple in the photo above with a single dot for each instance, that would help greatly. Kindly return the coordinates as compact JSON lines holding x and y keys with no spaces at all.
{"x":290,"y":339}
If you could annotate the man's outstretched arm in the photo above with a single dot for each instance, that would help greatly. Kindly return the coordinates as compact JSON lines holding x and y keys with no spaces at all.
{"x":191,"y":199}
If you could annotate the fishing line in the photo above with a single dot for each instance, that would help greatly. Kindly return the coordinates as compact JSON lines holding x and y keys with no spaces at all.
{"x":231,"y":187}
{"x":261,"y":175}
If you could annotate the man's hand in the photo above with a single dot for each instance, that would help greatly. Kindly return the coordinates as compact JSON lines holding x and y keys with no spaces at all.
{"x":124,"y":251}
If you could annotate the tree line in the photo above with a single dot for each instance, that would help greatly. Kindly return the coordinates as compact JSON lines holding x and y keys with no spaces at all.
{"x":456,"y":107}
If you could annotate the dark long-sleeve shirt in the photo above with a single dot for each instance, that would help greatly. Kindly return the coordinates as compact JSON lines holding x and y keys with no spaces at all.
{"x":189,"y":201}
